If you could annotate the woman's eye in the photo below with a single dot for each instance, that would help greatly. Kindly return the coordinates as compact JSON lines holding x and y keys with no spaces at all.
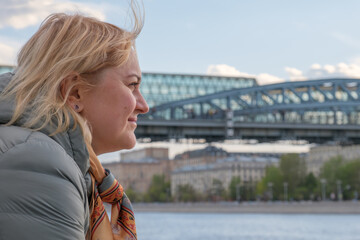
{"x":134,"y":84}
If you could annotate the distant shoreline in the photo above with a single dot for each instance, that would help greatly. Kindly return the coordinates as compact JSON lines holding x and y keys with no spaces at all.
{"x":348,"y":207}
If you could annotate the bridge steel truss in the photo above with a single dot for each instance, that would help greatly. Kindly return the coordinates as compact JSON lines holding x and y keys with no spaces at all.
{"x":317,"y":110}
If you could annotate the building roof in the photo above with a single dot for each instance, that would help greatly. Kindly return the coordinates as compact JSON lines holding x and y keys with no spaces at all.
{"x":207,"y":151}
{"x":247,"y":158}
{"x":226,"y":163}
{"x":141,"y":160}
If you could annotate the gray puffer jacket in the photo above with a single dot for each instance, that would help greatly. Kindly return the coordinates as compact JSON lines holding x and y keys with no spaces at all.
{"x":44,"y":184}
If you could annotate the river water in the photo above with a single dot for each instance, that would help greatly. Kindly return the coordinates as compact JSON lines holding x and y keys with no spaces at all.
{"x":211,"y":226}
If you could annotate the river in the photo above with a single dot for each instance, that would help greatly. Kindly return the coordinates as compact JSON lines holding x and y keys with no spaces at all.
{"x":225,"y":226}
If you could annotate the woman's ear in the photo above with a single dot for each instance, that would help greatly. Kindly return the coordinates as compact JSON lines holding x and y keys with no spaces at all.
{"x":71,"y":92}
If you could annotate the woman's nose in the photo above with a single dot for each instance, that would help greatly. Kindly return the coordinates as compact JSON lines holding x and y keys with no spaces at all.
{"x":142,"y":105}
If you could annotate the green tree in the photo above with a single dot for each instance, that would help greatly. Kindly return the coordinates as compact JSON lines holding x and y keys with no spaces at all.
{"x":293,"y":170}
{"x":247,"y":192}
{"x":133,"y":195}
{"x":186,"y":193}
{"x":310,"y":186}
{"x":349,"y":175}
{"x":331,"y":172}
{"x":310,"y":182}
{"x":272,"y":184}
{"x":159,"y":190}
{"x":218,"y":191}
{"x":234,"y":184}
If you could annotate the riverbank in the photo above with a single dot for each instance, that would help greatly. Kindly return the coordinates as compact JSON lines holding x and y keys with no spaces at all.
{"x":348,"y":207}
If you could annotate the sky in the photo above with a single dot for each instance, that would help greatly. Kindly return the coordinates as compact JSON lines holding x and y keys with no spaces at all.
{"x":272,"y":40}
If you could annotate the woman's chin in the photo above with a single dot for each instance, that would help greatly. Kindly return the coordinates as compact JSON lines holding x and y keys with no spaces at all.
{"x":112,"y":145}
{"x":129,"y":144}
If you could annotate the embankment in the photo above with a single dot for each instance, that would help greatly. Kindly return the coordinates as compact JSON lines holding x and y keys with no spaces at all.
{"x":348,"y":207}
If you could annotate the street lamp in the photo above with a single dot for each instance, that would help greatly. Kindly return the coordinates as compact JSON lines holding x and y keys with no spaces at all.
{"x":286,"y":191}
{"x":168,"y":194}
{"x":323,"y":185}
{"x":270,"y":185}
{"x":238,"y":192}
{"x":338,"y":184}
{"x":347,"y":190}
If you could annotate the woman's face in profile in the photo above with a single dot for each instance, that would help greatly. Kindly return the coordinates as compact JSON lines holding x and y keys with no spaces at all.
{"x":112,"y":106}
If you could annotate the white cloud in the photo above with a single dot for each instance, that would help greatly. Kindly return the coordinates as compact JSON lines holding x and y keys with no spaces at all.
{"x":347,"y":70}
{"x":315,"y":71}
{"x":226,"y":70}
{"x":23,"y":13}
{"x":315,"y":66}
{"x":295,"y":74}
{"x":265,"y":78}
{"x":329,"y":68}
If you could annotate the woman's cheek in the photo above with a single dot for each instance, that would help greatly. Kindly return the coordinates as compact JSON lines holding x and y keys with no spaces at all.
{"x":132,"y":103}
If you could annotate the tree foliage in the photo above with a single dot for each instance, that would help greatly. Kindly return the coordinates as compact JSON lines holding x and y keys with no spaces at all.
{"x":217,"y":192}
{"x":271,"y":184}
{"x":233,"y":187}
{"x":342,"y":179}
{"x":159,"y":190}
{"x":186,"y":193}
{"x":343,"y":175}
{"x":293,"y":169}
{"x":133,"y":195}
{"x":310,"y":182}
{"x":331,"y":172}
{"x":349,"y":174}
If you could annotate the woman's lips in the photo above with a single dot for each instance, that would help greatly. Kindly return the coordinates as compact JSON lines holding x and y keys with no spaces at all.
{"x":133,"y":121}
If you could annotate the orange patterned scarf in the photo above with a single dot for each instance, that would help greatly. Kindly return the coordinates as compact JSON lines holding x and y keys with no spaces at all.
{"x":106,"y":188}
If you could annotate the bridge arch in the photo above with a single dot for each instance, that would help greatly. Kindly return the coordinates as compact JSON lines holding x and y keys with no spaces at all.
{"x":329,"y":104}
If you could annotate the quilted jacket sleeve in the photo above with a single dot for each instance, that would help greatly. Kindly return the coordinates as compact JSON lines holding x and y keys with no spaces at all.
{"x":42,"y":191}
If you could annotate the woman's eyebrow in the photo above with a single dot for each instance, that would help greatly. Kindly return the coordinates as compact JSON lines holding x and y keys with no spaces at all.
{"x":135,"y":75}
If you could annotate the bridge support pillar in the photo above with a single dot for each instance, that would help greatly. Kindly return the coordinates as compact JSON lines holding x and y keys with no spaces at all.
{"x":229,"y":121}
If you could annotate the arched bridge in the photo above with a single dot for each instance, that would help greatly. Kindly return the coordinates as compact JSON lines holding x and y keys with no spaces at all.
{"x":317,"y":110}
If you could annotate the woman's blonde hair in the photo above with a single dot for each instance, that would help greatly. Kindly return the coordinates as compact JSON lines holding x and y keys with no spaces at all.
{"x":64,"y":45}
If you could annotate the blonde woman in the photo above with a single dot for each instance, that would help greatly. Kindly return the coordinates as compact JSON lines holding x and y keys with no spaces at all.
{"x":74,"y":94}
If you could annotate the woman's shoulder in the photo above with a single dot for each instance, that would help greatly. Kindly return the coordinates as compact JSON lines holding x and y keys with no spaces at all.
{"x":13,"y":138}
{"x":31,"y":150}
{"x":39,"y":180}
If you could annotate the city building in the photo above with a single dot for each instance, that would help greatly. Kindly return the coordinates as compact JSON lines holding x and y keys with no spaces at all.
{"x":137,"y":168}
{"x":319,"y":155}
{"x":208,"y":155}
{"x":199,"y":168}
{"x":249,"y":168}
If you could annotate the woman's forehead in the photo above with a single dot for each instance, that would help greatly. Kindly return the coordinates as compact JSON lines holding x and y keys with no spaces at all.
{"x":129,"y":68}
